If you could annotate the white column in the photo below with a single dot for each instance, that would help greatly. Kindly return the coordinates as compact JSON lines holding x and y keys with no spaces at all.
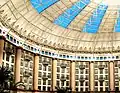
{"x":35,"y":72}
{"x":72,"y":75}
{"x":92,"y":75}
{"x":1,"y":48}
{"x":111,"y":76}
{"x":54,"y":74}
{"x":17,"y":64}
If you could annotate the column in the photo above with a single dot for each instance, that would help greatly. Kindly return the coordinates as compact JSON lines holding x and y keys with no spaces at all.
{"x":17,"y":64}
{"x":72,"y":75}
{"x":35,"y":71}
{"x":111,"y":76}
{"x":1,"y":48}
{"x":54,"y":74}
{"x":92,"y":75}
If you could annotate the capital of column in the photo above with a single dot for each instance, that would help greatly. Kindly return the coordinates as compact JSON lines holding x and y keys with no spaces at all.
{"x":54,"y":58}
{"x":2,"y":38}
{"x":19,"y":47}
{"x":37,"y":54}
{"x":91,"y":62}
{"x":111,"y":61}
{"x":72,"y":61}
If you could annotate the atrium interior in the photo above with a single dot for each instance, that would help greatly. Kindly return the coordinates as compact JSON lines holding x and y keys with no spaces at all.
{"x":62,"y":43}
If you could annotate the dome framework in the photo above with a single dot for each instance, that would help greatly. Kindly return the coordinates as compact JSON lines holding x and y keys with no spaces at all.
{"x":46,"y":54}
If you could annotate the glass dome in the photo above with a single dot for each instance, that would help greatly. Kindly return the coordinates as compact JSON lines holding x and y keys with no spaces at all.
{"x":77,"y":25}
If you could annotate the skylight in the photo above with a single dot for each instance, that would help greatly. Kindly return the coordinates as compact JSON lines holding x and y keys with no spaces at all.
{"x":65,"y":18}
{"x":92,"y":25}
{"x":41,"y":5}
{"x":117,"y":24}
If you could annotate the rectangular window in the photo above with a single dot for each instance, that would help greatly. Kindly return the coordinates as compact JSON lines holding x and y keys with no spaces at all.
{"x":86,"y":83}
{"x":96,"y":83}
{"x":63,"y":70}
{"x":77,"y":72}
{"x":101,"y":71}
{"x":101,"y":83}
{"x":7,"y":65}
{"x":39,"y":81}
{"x":81,"y":83}
{"x":67,"y":83}
{"x":58,"y":76}
{"x":86,"y":71}
{"x":40,"y":67}
{"x":58,"y":69}
{"x":77,"y":83}
{"x":7,"y":57}
{"x":44,"y":88}
{"x":58,"y":83}
{"x":49,"y":82}
{"x":44,"y":82}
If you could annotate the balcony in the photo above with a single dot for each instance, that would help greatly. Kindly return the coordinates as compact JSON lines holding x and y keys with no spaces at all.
{"x":45,"y":63}
{"x":28,"y":58}
{"x":44,"y":77}
{"x":101,"y":79}
{"x":82,"y":79}
{"x":63,"y":65}
{"x":82,"y":66}
{"x":9,"y":50}
{"x":27,"y":74}
{"x":101,"y":66}
{"x":63,"y":78}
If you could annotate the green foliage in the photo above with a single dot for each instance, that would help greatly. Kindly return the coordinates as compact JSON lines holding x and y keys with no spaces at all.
{"x":63,"y":90}
{"x":7,"y":80}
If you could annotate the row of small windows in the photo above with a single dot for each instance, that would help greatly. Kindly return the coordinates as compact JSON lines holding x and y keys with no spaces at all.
{"x":31,"y":48}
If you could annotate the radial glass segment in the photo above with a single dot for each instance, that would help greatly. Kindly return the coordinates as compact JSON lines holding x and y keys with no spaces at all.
{"x":65,"y":18}
{"x":92,"y":25}
{"x":41,"y":5}
{"x":117,"y":25}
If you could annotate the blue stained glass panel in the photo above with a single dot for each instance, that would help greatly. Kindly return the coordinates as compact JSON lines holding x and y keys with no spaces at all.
{"x":117,"y":25}
{"x":92,"y":25}
{"x":65,"y":18}
{"x":41,"y":5}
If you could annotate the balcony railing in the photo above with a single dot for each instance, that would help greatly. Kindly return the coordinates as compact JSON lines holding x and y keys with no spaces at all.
{"x":82,"y":79}
{"x":101,"y":66}
{"x":44,"y":77}
{"x":82,"y":66}
{"x":28,"y":58}
{"x":63,"y":65}
{"x":63,"y":78}
{"x":45,"y":62}
{"x":9,"y":50}
{"x":27,"y":74}
{"x":101,"y":79}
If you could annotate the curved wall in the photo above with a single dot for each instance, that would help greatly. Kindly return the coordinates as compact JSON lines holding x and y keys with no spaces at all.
{"x":83,"y":73}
